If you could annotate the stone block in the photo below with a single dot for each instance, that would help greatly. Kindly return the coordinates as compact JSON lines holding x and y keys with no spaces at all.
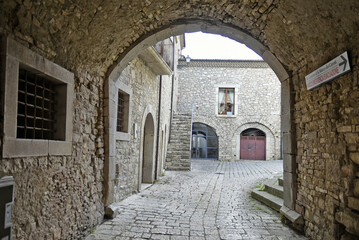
{"x":285,"y":98}
{"x":354,"y":157}
{"x":353,"y":203}
{"x":60,"y":148}
{"x":289,"y":189}
{"x":349,"y":219}
{"x":285,"y":123}
{"x":289,"y":163}
{"x":356,"y":187}
{"x":344,"y":129}
{"x":291,"y":215}
{"x":25,"y":147}
{"x":287,"y":143}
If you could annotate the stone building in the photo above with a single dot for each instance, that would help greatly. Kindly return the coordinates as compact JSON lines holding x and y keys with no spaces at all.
{"x":61,"y":189}
{"x":37,"y":107}
{"x":232,"y":98}
{"x":140,"y":111}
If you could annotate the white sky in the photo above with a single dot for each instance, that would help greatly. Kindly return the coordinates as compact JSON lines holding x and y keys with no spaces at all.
{"x":212,"y":46}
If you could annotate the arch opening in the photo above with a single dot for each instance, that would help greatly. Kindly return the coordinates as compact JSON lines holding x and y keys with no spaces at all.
{"x":212,"y":26}
{"x":194,"y":25}
{"x":204,"y":142}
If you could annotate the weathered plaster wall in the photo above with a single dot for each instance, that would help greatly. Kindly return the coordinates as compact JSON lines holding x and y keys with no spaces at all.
{"x":257,"y":101}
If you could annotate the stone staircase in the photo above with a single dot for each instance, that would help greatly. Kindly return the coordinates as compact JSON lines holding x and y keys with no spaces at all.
{"x":178,"y":153}
{"x":271,"y":194}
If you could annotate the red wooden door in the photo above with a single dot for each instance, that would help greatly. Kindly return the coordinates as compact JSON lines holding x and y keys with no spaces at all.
{"x":253,"y":147}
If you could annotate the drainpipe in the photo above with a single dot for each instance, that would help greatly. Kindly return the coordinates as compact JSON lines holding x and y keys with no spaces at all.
{"x":158,"y":126}
{"x":190,"y":142}
{"x":172,"y":88}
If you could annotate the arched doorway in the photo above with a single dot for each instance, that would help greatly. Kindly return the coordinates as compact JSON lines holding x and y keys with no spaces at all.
{"x":148,"y":150}
{"x":204,"y":143}
{"x":253,"y":144}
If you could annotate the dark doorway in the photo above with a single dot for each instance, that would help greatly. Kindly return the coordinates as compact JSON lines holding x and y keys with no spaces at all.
{"x":253,"y":144}
{"x":148,"y":150}
{"x":204,"y":142}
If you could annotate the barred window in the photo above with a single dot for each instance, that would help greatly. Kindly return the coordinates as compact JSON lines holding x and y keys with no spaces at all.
{"x":122,"y":112}
{"x":36,"y":107}
{"x":37,"y":104}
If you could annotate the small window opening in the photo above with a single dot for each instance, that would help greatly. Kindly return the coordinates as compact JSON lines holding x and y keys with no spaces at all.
{"x":36,"y":107}
{"x":122,"y":112}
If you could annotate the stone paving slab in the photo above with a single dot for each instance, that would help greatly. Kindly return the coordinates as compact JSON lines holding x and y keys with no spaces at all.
{"x":210,"y":202}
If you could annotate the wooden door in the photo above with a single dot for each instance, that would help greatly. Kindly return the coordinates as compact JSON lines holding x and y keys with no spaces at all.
{"x":253,"y":147}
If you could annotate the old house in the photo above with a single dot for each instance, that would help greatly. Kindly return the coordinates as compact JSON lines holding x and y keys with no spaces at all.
{"x":234,"y":107}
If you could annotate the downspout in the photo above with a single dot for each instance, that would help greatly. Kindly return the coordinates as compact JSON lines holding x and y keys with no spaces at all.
{"x":158,"y":126}
{"x":172,"y":88}
{"x":190,"y":143}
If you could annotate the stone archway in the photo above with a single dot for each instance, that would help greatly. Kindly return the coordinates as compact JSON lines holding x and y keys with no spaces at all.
{"x":235,"y":33}
{"x":87,"y":38}
{"x":148,"y":145}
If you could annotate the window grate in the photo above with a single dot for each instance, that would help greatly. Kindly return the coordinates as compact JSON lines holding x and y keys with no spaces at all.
{"x":36,"y":107}
{"x":120,"y":112}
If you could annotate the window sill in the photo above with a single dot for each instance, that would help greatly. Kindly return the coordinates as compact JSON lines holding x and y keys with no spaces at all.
{"x":123,"y":136}
{"x":226,"y":116}
{"x":35,"y":147}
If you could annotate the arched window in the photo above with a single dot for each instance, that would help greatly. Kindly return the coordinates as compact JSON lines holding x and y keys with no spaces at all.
{"x":204,"y":142}
{"x":253,"y":132}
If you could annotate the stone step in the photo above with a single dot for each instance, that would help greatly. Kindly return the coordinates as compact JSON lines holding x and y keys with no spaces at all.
{"x":274,"y":189}
{"x":280,"y":181}
{"x":268,"y":199}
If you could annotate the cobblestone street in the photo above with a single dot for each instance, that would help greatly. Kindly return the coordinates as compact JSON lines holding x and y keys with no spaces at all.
{"x":210,"y":202}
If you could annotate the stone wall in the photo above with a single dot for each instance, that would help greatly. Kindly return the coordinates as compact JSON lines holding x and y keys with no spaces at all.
{"x":59,"y":197}
{"x":327,"y":137}
{"x":91,"y":38}
{"x":145,"y":86}
{"x":257,"y":103}
{"x":146,"y":89}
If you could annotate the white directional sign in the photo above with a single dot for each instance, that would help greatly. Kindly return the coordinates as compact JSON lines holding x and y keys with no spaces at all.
{"x":333,"y":69}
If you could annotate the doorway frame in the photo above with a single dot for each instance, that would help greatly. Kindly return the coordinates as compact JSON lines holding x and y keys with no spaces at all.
{"x":149,"y":111}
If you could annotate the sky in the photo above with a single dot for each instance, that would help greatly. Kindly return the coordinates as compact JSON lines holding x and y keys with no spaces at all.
{"x":212,"y":46}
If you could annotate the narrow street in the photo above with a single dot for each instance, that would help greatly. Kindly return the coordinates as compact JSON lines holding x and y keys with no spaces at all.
{"x":210,"y":202}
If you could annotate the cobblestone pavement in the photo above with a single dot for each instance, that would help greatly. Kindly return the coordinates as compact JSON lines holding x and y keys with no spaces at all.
{"x":210,"y":202}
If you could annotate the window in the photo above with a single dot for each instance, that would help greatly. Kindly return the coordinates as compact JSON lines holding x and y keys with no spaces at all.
{"x":36,"y":104}
{"x":226,"y":101}
{"x":37,"y":107}
{"x":122,"y":112}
